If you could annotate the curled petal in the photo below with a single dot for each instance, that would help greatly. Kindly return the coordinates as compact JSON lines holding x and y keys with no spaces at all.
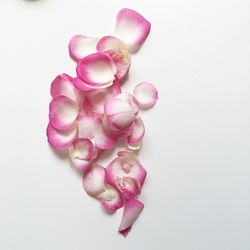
{"x":63,"y":85}
{"x":131,"y":212}
{"x":82,"y":152}
{"x":110,"y":199}
{"x":83,"y":86}
{"x":61,"y":139}
{"x":146,"y":95}
{"x":62,"y":112}
{"x":92,"y":128}
{"x":118,"y":51}
{"x":94,"y":181}
{"x":137,"y":133}
{"x":126,"y":166}
{"x":96,"y":69}
{"x":132,"y":28}
{"x":81,"y":46}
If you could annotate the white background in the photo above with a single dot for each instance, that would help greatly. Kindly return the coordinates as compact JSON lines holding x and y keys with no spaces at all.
{"x":197,"y":145}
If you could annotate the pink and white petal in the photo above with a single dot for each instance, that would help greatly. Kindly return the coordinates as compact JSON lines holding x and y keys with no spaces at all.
{"x":138,"y":132}
{"x":85,"y":87}
{"x":107,"y":43}
{"x":96,"y":69}
{"x":128,"y":186}
{"x":81,"y":46}
{"x":94,"y":181}
{"x":110,"y":199}
{"x":92,"y":128}
{"x":130,"y":99}
{"x":132,"y":210}
{"x":63,"y":85}
{"x":116,"y":106}
{"x":62,"y":112}
{"x":125,"y":167}
{"x":61,"y":139}
{"x":121,"y":120}
{"x":99,"y":97}
{"x":145,"y":94}
{"x":132,"y":28}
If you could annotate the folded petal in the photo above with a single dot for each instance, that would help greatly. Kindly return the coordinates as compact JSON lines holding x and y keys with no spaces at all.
{"x":137,"y":133}
{"x":132,"y":28}
{"x":110,"y":199}
{"x":82,"y":152}
{"x":126,"y":166}
{"x":83,"y":86}
{"x":146,"y":95}
{"x":132,"y":210}
{"x":94,"y":181}
{"x":62,"y":112}
{"x":92,"y":128}
{"x":61,"y":139}
{"x":81,"y":46}
{"x":118,"y":51}
{"x":96,"y":69}
{"x":63,"y":85}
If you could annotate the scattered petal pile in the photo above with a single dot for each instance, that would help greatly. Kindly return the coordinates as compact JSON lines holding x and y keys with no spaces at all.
{"x":89,"y":114}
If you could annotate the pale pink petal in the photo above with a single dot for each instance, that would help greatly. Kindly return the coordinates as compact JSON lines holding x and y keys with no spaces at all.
{"x":118,"y":51}
{"x":92,"y":128}
{"x":61,"y":139}
{"x":63,"y":85}
{"x":81,"y":46}
{"x":126,"y":166}
{"x":137,"y":133}
{"x":131,"y":212}
{"x":96,"y":69}
{"x":132,"y":28}
{"x":82,"y":152}
{"x":62,"y":112}
{"x":128,"y":186}
{"x":110,"y":199}
{"x":85,"y":87}
{"x":94,"y":181}
{"x":146,"y":95}
{"x":121,"y":120}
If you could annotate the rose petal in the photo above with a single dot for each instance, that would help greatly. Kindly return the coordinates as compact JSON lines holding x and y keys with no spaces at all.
{"x":110,"y":199}
{"x":131,"y":212}
{"x":128,"y":186}
{"x":63,"y":85}
{"x":81,"y":46}
{"x":62,"y":112}
{"x":94,"y":181}
{"x":146,"y":95}
{"x":125,"y":166}
{"x":118,"y":51}
{"x":83,"y":86}
{"x":132,"y":28}
{"x":61,"y":139}
{"x":81,"y":153}
{"x":138,"y":132}
{"x":96,"y":69}
{"x":91,"y":128}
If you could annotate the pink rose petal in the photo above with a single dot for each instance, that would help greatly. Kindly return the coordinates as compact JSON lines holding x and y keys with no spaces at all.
{"x":137,"y":133}
{"x":146,"y":95}
{"x":132,"y":28}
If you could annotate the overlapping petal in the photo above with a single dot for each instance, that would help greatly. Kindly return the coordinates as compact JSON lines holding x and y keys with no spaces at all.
{"x":132,"y":28}
{"x":137,"y":133}
{"x":81,"y":46}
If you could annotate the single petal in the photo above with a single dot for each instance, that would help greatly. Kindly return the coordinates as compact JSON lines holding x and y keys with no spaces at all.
{"x":81,"y":46}
{"x":122,"y":120}
{"x":132,"y":210}
{"x":83,"y":86}
{"x":61,"y":139}
{"x":92,"y":128}
{"x":96,"y":69}
{"x":63,"y":85}
{"x":62,"y":112}
{"x":132,"y":28}
{"x":126,"y":166}
{"x":137,"y":133}
{"x":94,"y":181}
{"x":118,"y":51}
{"x":82,"y":152}
{"x":110,"y":199}
{"x":146,"y":95}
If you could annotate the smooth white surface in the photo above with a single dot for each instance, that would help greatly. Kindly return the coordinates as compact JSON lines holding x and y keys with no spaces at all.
{"x":197,"y":145}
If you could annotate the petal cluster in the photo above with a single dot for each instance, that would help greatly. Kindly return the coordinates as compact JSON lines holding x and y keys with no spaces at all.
{"x":89,"y":114}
